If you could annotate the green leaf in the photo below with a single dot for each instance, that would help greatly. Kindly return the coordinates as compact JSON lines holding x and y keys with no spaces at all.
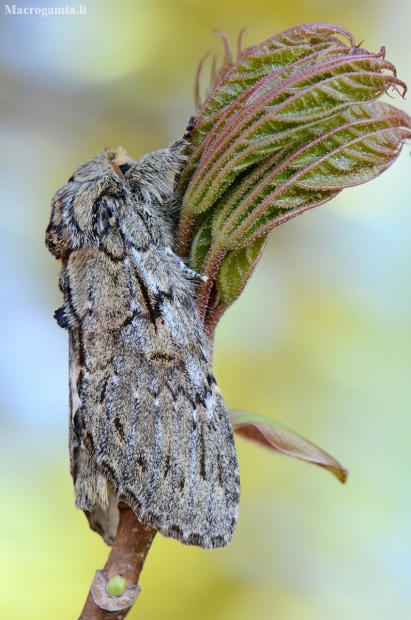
{"x":256,"y":69}
{"x":266,"y":123}
{"x":267,"y":58}
{"x":280,"y":438}
{"x":201,"y":241}
{"x":236,"y":269}
{"x":283,"y":130}
{"x":352,"y":148}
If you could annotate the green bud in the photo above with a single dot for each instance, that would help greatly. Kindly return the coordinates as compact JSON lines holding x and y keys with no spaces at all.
{"x":117,"y":585}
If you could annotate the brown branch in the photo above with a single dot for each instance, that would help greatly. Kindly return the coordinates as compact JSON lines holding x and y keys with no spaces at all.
{"x":126,"y":558}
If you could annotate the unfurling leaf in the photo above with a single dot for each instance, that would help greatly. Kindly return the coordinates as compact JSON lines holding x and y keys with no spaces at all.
{"x":284,"y":129}
{"x":235,"y":269}
{"x":280,"y":438}
{"x":259,"y":61}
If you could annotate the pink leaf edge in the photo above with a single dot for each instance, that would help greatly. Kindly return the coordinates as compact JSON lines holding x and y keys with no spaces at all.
{"x":278,"y":437}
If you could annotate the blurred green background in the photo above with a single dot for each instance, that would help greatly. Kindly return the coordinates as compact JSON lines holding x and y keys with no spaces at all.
{"x":319,"y":340}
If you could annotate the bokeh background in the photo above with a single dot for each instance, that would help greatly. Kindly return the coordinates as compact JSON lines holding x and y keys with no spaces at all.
{"x":319,"y":340}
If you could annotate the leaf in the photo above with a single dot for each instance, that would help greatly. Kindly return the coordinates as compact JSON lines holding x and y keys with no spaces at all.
{"x":280,"y":116}
{"x":357,"y":145}
{"x":283,"y":130}
{"x":235,"y":271}
{"x":276,"y":58}
{"x":201,"y":241}
{"x":352,"y":148}
{"x":280,"y":438}
{"x":255,"y":63}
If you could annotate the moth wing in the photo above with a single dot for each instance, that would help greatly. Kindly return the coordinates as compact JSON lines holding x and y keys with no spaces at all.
{"x":152,"y":418}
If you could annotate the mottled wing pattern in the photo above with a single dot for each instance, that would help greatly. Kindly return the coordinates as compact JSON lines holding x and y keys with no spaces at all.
{"x":147,"y":415}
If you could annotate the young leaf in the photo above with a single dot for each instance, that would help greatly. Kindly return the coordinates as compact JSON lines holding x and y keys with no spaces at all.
{"x":280,"y":438}
{"x":255,"y":63}
{"x":284,"y":129}
{"x":268,"y":122}
{"x":355,"y":146}
{"x":235,"y":269}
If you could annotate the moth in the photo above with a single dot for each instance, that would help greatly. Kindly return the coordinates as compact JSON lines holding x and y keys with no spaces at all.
{"x":147,"y":422}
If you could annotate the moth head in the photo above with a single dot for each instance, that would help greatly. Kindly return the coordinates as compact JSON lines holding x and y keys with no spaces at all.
{"x":151,"y":179}
{"x":87,"y":208}
{"x":119,"y":161}
{"x":109,"y":164}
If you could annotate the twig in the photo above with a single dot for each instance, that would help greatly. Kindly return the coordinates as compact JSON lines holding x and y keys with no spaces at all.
{"x":126,"y":558}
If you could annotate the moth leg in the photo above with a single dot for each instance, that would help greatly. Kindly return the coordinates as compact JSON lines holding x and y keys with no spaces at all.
{"x":189,"y":129}
{"x":64,"y":317}
{"x":189,"y":273}
{"x":104,"y":521}
{"x":180,"y":144}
